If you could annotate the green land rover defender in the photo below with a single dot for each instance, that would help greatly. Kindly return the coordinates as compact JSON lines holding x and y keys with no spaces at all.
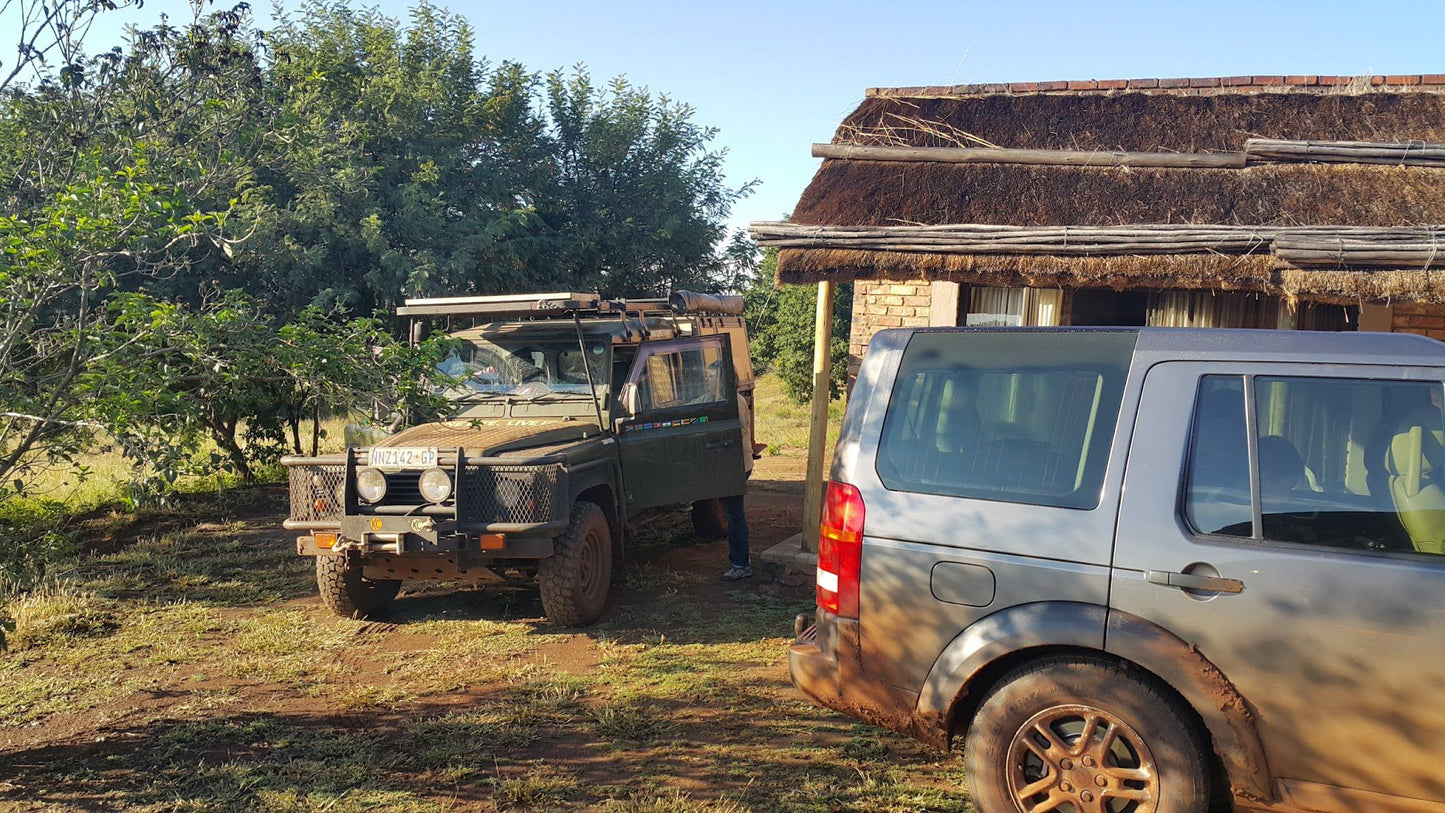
{"x":574,"y":419}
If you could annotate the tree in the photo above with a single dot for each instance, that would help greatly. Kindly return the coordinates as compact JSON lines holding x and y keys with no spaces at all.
{"x":638,"y":203}
{"x":99,"y":194}
{"x":49,"y":32}
{"x":181,"y":374}
{"x":781,"y":321}
{"x":354,"y":367}
{"x":410,"y":166}
{"x":385,"y":181}
{"x":340,"y":162}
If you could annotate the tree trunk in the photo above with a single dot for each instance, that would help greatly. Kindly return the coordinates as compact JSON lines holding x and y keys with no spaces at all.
{"x":293,"y":420}
{"x":315,"y":429}
{"x":223,"y":431}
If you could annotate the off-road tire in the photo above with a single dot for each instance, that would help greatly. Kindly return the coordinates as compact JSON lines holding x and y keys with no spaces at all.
{"x":347,"y":593}
{"x":709,"y":521}
{"x":576,"y":578}
{"x":1155,"y":733}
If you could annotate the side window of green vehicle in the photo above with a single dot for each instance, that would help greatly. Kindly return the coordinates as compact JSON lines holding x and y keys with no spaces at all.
{"x":681,"y":374}
{"x":1339,"y":462}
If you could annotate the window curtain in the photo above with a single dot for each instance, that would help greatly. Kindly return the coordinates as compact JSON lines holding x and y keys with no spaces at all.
{"x":1213,"y":309}
{"x":1013,"y":307}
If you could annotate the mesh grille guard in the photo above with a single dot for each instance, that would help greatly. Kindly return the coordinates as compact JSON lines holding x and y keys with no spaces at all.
{"x":510,"y":494}
{"x":487,"y":494}
{"x":315,"y":492}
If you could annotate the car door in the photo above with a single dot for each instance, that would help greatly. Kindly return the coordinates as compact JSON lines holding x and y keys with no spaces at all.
{"x":1268,"y":519}
{"x":680,"y":439}
{"x":985,"y":475}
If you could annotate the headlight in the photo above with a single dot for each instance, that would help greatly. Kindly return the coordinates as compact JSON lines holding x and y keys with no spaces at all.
{"x":435,"y":485}
{"x":370,"y":484}
{"x":510,"y":490}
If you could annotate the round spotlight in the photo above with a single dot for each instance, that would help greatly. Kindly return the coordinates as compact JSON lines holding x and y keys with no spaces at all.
{"x":510,"y":490}
{"x":370,"y":484}
{"x":435,"y":485}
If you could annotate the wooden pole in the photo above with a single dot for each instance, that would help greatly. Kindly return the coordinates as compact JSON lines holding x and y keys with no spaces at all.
{"x":1343,"y":246}
{"x":1064,"y":158}
{"x":818,"y":430}
{"x":1405,"y":153}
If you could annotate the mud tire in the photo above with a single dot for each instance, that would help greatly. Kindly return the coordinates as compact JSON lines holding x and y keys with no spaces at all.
{"x":347,"y":593}
{"x":709,"y":521}
{"x":1052,"y":694}
{"x":575,"y":579}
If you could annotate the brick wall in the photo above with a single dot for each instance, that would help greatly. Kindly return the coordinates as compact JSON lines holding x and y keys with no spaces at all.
{"x":1193,"y":86}
{"x":1424,"y":320}
{"x":879,"y":304}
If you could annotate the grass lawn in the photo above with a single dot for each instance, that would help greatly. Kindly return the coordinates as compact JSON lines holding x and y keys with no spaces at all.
{"x":187,"y":665}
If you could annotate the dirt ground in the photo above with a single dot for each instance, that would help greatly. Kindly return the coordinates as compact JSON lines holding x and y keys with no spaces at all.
{"x":188,"y":665}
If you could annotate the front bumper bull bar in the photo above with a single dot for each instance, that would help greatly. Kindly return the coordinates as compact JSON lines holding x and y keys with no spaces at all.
{"x":323,"y":497}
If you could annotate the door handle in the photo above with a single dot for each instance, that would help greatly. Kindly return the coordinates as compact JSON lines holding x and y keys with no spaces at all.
{"x":719,"y":444}
{"x":1194,"y":581}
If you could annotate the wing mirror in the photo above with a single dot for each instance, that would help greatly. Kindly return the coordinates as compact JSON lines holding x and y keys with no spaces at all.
{"x":627,"y":397}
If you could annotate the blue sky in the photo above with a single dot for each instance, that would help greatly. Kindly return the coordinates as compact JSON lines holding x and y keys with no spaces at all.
{"x":774,"y":77}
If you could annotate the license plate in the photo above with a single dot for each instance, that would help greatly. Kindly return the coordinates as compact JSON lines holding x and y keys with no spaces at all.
{"x":403,"y":457}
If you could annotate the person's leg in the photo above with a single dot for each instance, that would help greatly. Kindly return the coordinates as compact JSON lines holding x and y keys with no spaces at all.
{"x":737,"y":531}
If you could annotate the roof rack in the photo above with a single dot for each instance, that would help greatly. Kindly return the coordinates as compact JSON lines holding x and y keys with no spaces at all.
{"x":561,"y":305}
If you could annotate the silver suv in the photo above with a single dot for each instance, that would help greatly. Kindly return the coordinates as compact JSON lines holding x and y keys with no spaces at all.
{"x":1144,"y":571}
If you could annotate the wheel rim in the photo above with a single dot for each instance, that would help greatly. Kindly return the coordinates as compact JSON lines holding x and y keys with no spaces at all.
{"x":592,"y":577}
{"x":1080,"y":759}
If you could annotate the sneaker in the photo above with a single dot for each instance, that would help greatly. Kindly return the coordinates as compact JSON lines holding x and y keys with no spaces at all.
{"x":735,"y":573}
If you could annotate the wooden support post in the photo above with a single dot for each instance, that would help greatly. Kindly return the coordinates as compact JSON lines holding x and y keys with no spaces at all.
{"x":818,"y":430}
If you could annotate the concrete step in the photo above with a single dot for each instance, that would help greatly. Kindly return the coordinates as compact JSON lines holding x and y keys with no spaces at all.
{"x":788,"y":563}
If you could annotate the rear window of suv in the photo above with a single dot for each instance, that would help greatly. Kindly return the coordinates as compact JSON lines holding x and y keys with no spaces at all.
{"x":1014,"y":416}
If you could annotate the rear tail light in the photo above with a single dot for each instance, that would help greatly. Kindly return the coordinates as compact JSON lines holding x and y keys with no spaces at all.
{"x":840,"y":550}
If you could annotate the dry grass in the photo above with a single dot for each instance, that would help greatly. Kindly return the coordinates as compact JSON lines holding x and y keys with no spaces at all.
{"x":1209,"y":272}
{"x":879,"y":193}
{"x":57,"y":610}
{"x":783,"y":424}
{"x":1139,"y":122}
{"x":104,"y":474}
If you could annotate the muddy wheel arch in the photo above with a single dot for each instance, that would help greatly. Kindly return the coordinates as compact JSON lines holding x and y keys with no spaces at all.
{"x":980,"y":654}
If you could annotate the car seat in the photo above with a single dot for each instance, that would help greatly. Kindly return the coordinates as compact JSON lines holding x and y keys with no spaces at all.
{"x":1413,"y":462}
{"x":958,"y":421}
{"x":942,"y":448}
{"x":1281,"y":469}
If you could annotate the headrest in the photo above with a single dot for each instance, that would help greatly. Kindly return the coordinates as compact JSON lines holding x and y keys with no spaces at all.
{"x":1280,"y":464}
{"x":1413,"y":456}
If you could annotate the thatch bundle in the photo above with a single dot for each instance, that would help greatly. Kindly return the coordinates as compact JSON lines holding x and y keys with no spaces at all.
{"x":1139,"y":122}
{"x":873,"y":193}
{"x":1215,"y":272}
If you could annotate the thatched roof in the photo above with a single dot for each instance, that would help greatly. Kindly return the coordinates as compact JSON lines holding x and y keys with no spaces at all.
{"x":850,"y":192}
{"x":880,"y":193}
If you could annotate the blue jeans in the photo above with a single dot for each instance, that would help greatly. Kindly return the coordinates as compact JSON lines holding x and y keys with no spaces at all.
{"x":737,"y":531}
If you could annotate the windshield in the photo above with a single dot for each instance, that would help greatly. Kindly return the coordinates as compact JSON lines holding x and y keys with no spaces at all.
{"x":523,"y":368}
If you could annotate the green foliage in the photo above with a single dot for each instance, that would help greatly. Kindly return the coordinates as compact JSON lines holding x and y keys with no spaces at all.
{"x":637,"y":203}
{"x":405,"y":165}
{"x":190,"y":226}
{"x":354,"y":367}
{"x":226,"y":373}
{"x":781,"y":322}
